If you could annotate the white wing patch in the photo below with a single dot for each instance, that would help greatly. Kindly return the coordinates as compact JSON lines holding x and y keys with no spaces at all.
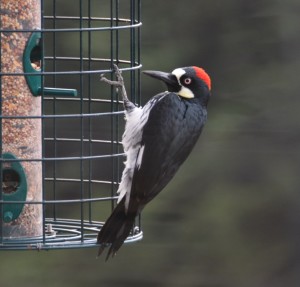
{"x":132,"y":137}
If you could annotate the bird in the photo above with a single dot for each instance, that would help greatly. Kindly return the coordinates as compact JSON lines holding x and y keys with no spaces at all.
{"x":158,"y":138}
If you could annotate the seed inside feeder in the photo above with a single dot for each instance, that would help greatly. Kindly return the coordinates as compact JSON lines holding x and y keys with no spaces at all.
{"x":10,"y":181}
{"x":35,"y":57}
{"x":36,"y":65}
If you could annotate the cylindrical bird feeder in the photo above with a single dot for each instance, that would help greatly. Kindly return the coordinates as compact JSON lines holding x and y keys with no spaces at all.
{"x":21,"y":122}
{"x":61,"y":156}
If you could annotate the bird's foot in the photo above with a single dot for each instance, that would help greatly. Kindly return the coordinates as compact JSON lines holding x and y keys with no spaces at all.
{"x":120,"y":81}
{"x":119,"y":84}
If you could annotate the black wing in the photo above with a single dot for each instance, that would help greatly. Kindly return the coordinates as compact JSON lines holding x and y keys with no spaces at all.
{"x":168,"y":139}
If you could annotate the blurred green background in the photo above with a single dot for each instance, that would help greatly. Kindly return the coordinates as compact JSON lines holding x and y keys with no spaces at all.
{"x":231,"y":216}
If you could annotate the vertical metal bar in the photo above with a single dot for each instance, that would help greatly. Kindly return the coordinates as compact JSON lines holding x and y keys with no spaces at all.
{"x":132,"y":50}
{"x":139,"y":72}
{"x":112,"y":33}
{"x":54,"y":108}
{"x":112,"y":100}
{"x":81,"y":119}
{"x":90,"y":110}
{"x":117,"y":122}
{"x":132,"y":53}
{"x":139,"y":51}
{"x":43,"y":121}
{"x":117,"y":32}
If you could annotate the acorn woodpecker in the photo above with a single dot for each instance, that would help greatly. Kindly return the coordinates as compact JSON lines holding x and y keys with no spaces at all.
{"x":157,"y":140}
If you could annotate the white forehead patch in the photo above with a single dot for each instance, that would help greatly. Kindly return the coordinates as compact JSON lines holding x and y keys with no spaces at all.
{"x":178,"y":73}
{"x":184,"y":92}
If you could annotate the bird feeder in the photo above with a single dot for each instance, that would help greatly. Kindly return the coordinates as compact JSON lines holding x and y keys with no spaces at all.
{"x":61,"y":152}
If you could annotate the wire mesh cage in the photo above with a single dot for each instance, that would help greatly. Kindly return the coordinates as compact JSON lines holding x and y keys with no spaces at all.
{"x":61,"y":153}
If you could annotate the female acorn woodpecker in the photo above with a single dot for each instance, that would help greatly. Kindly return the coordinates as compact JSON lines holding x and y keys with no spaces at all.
{"x":157,"y":140}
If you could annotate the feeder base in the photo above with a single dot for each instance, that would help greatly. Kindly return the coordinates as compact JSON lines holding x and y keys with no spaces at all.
{"x":61,"y":234}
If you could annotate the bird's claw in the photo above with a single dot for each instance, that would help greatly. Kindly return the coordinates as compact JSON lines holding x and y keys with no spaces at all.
{"x":119,"y":83}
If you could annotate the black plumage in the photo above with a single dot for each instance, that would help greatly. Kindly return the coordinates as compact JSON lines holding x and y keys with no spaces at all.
{"x":166,"y":143}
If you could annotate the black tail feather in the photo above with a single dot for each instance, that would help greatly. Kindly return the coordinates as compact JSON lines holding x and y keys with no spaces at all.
{"x":115,"y":230}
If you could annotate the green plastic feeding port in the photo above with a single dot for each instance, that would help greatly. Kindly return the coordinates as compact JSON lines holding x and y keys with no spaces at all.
{"x":32,"y":62}
{"x":14,"y":187}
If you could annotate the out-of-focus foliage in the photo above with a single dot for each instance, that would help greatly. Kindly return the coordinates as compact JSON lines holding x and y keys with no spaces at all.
{"x":231,"y":217}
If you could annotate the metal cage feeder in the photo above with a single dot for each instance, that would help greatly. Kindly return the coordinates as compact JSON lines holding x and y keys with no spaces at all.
{"x":61,"y":153}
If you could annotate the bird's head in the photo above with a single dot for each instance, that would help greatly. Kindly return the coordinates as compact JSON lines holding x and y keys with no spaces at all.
{"x":189,"y":82}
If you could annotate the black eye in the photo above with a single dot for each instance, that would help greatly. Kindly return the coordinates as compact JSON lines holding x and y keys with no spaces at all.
{"x":187,"y":81}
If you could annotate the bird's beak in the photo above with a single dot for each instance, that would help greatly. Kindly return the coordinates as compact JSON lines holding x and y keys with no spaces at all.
{"x":168,"y":78}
